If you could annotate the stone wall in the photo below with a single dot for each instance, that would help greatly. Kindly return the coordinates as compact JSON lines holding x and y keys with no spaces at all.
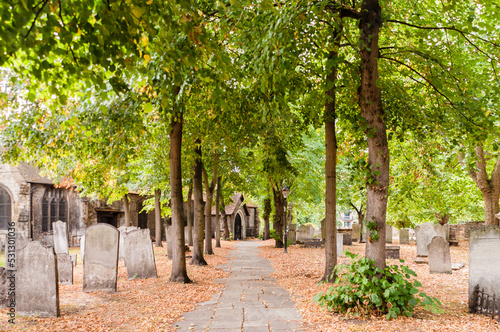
{"x":462,"y":231}
{"x":19,"y":191}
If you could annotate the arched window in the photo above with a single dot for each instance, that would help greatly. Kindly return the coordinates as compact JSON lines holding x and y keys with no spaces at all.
{"x":53,"y":212}
{"x":62,"y":210}
{"x":45,"y":214}
{"x":5,"y":209}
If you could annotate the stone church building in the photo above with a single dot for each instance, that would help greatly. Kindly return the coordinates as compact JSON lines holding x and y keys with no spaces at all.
{"x":34,"y":202}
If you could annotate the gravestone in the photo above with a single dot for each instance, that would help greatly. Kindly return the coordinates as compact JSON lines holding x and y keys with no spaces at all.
{"x":60,"y":237}
{"x":425,"y":234}
{"x":123,"y":230}
{"x":82,"y":246}
{"x":74,"y":259}
{"x":64,"y":269}
{"x":484,"y":261}
{"x":392,"y":252}
{"x":355,"y":232}
{"x":138,"y":254}
{"x":292,"y":236}
{"x":100,"y":264}
{"x":388,"y":234}
{"x":169,"y":234}
{"x":37,"y":291}
{"x":404,"y":236}
{"x":7,"y":281}
{"x":340,"y":244}
{"x":312,"y":243}
{"x":347,"y":238}
{"x":440,"y":230}
{"x":439,"y":255}
{"x":305,"y":232}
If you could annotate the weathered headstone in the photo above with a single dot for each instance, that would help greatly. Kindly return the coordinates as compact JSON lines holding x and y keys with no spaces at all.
{"x":340,"y":244}
{"x":292,"y":236}
{"x":7,"y":282}
{"x":100,"y":263}
{"x":484,"y":261}
{"x":355,"y":232}
{"x":138,"y":254}
{"x":439,"y":255}
{"x":347,"y":238}
{"x":169,"y":234}
{"x":37,"y":291}
{"x":388,"y":234}
{"x":404,"y":236}
{"x":392,"y":252}
{"x":425,"y":234}
{"x":123,"y":230}
{"x":304,"y":233}
{"x":440,"y":230}
{"x":64,"y":269}
{"x":82,"y":246}
{"x":59,"y":229}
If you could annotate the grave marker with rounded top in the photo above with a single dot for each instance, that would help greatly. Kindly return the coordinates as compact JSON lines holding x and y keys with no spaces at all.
{"x":138,"y":254}
{"x":388,"y":234}
{"x":425,"y":234}
{"x":484,"y":261}
{"x":100,"y":263}
{"x":439,"y":255}
{"x":60,"y":237}
{"x":37,"y":291}
{"x":404,"y":236}
{"x":340,"y":244}
{"x":440,"y":230}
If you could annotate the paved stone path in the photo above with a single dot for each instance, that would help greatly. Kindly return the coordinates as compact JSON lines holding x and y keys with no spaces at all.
{"x":251,"y":300}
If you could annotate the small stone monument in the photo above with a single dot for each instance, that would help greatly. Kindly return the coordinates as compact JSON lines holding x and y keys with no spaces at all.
{"x":392,"y":252}
{"x":439,"y":255}
{"x":169,"y":234}
{"x":484,"y":261}
{"x":292,"y":234}
{"x":138,"y":254}
{"x":64,"y":262}
{"x":340,"y":244}
{"x":355,"y":232}
{"x":37,"y":291}
{"x":100,"y":264}
{"x":123,"y":230}
{"x":388,"y":234}
{"x":82,"y":246}
{"x":440,"y":230}
{"x":404,"y":236}
{"x":425,"y":234}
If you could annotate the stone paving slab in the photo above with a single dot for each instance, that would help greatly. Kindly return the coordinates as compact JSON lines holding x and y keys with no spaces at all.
{"x":251,"y":301}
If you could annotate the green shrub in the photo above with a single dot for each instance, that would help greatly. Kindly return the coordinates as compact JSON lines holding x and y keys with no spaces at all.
{"x":362,"y":289}
{"x":272,"y":234}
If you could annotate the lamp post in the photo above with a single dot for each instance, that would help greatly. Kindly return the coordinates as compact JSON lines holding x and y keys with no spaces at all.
{"x":285,"y":191}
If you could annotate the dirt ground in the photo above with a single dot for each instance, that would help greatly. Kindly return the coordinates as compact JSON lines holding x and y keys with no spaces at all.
{"x":300,"y":270}
{"x":138,"y":305}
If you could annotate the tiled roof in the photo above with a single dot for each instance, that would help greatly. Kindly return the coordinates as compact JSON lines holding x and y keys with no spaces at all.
{"x":32,"y":174}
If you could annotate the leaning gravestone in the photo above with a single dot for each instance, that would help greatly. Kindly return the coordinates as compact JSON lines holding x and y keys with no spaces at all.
{"x":439,"y":255}
{"x":388,"y":234}
{"x":100,"y":264}
{"x":64,"y":262}
{"x":138,"y":254}
{"x":355,"y":232}
{"x":484,"y":261}
{"x":425,"y":234}
{"x":60,"y":237}
{"x":404,"y":236}
{"x":123,"y":230}
{"x":340,"y":244}
{"x":37,"y":292}
{"x":440,"y":230}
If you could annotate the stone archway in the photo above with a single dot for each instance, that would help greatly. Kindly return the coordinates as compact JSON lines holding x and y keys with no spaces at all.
{"x":238,"y":225}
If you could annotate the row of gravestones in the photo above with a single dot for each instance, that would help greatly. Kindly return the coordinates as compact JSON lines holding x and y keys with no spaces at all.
{"x":40,"y":269}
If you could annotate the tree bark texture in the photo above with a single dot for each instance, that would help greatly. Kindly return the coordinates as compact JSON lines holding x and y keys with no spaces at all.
{"x":279,"y":205}
{"x":179,"y":273}
{"x":267,"y":213}
{"x":217,"y":215}
{"x":198,"y":222}
{"x":489,"y":187}
{"x":189,"y":216}
{"x":126,"y":208}
{"x":209,"y":190}
{"x":370,"y":102}
{"x":158,"y":218}
{"x":225,"y":226}
{"x":330,"y":175}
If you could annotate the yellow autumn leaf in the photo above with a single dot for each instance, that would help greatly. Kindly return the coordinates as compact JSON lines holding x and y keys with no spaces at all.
{"x":488,"y":112}
{"x":149,"y":2}
{"x":147,"y":58}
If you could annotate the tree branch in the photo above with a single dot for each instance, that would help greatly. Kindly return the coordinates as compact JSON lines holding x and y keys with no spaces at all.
{"x":36,"y":17}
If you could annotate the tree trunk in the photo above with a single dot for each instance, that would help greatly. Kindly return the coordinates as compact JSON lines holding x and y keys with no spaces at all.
{"x":179,"y":273}
{"x":279,"y":211}
{"x":198,"y":222}
{"x":370,"y":102}
{"x":190,"y":216}
{"x":330,"y":175}
{"x":126,"y":208}
{"x":217,"y":215}
{"x":209,"y":190}
{"x":267,"y":213}
{"x":224,"y":215}
{"x":489,"y":187}
{"x":158,"y":218}
{"x":361,"y":218}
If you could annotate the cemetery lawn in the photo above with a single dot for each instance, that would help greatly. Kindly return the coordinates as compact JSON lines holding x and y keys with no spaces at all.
{"x":300,"y":270}
{"x":138,"y":305}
